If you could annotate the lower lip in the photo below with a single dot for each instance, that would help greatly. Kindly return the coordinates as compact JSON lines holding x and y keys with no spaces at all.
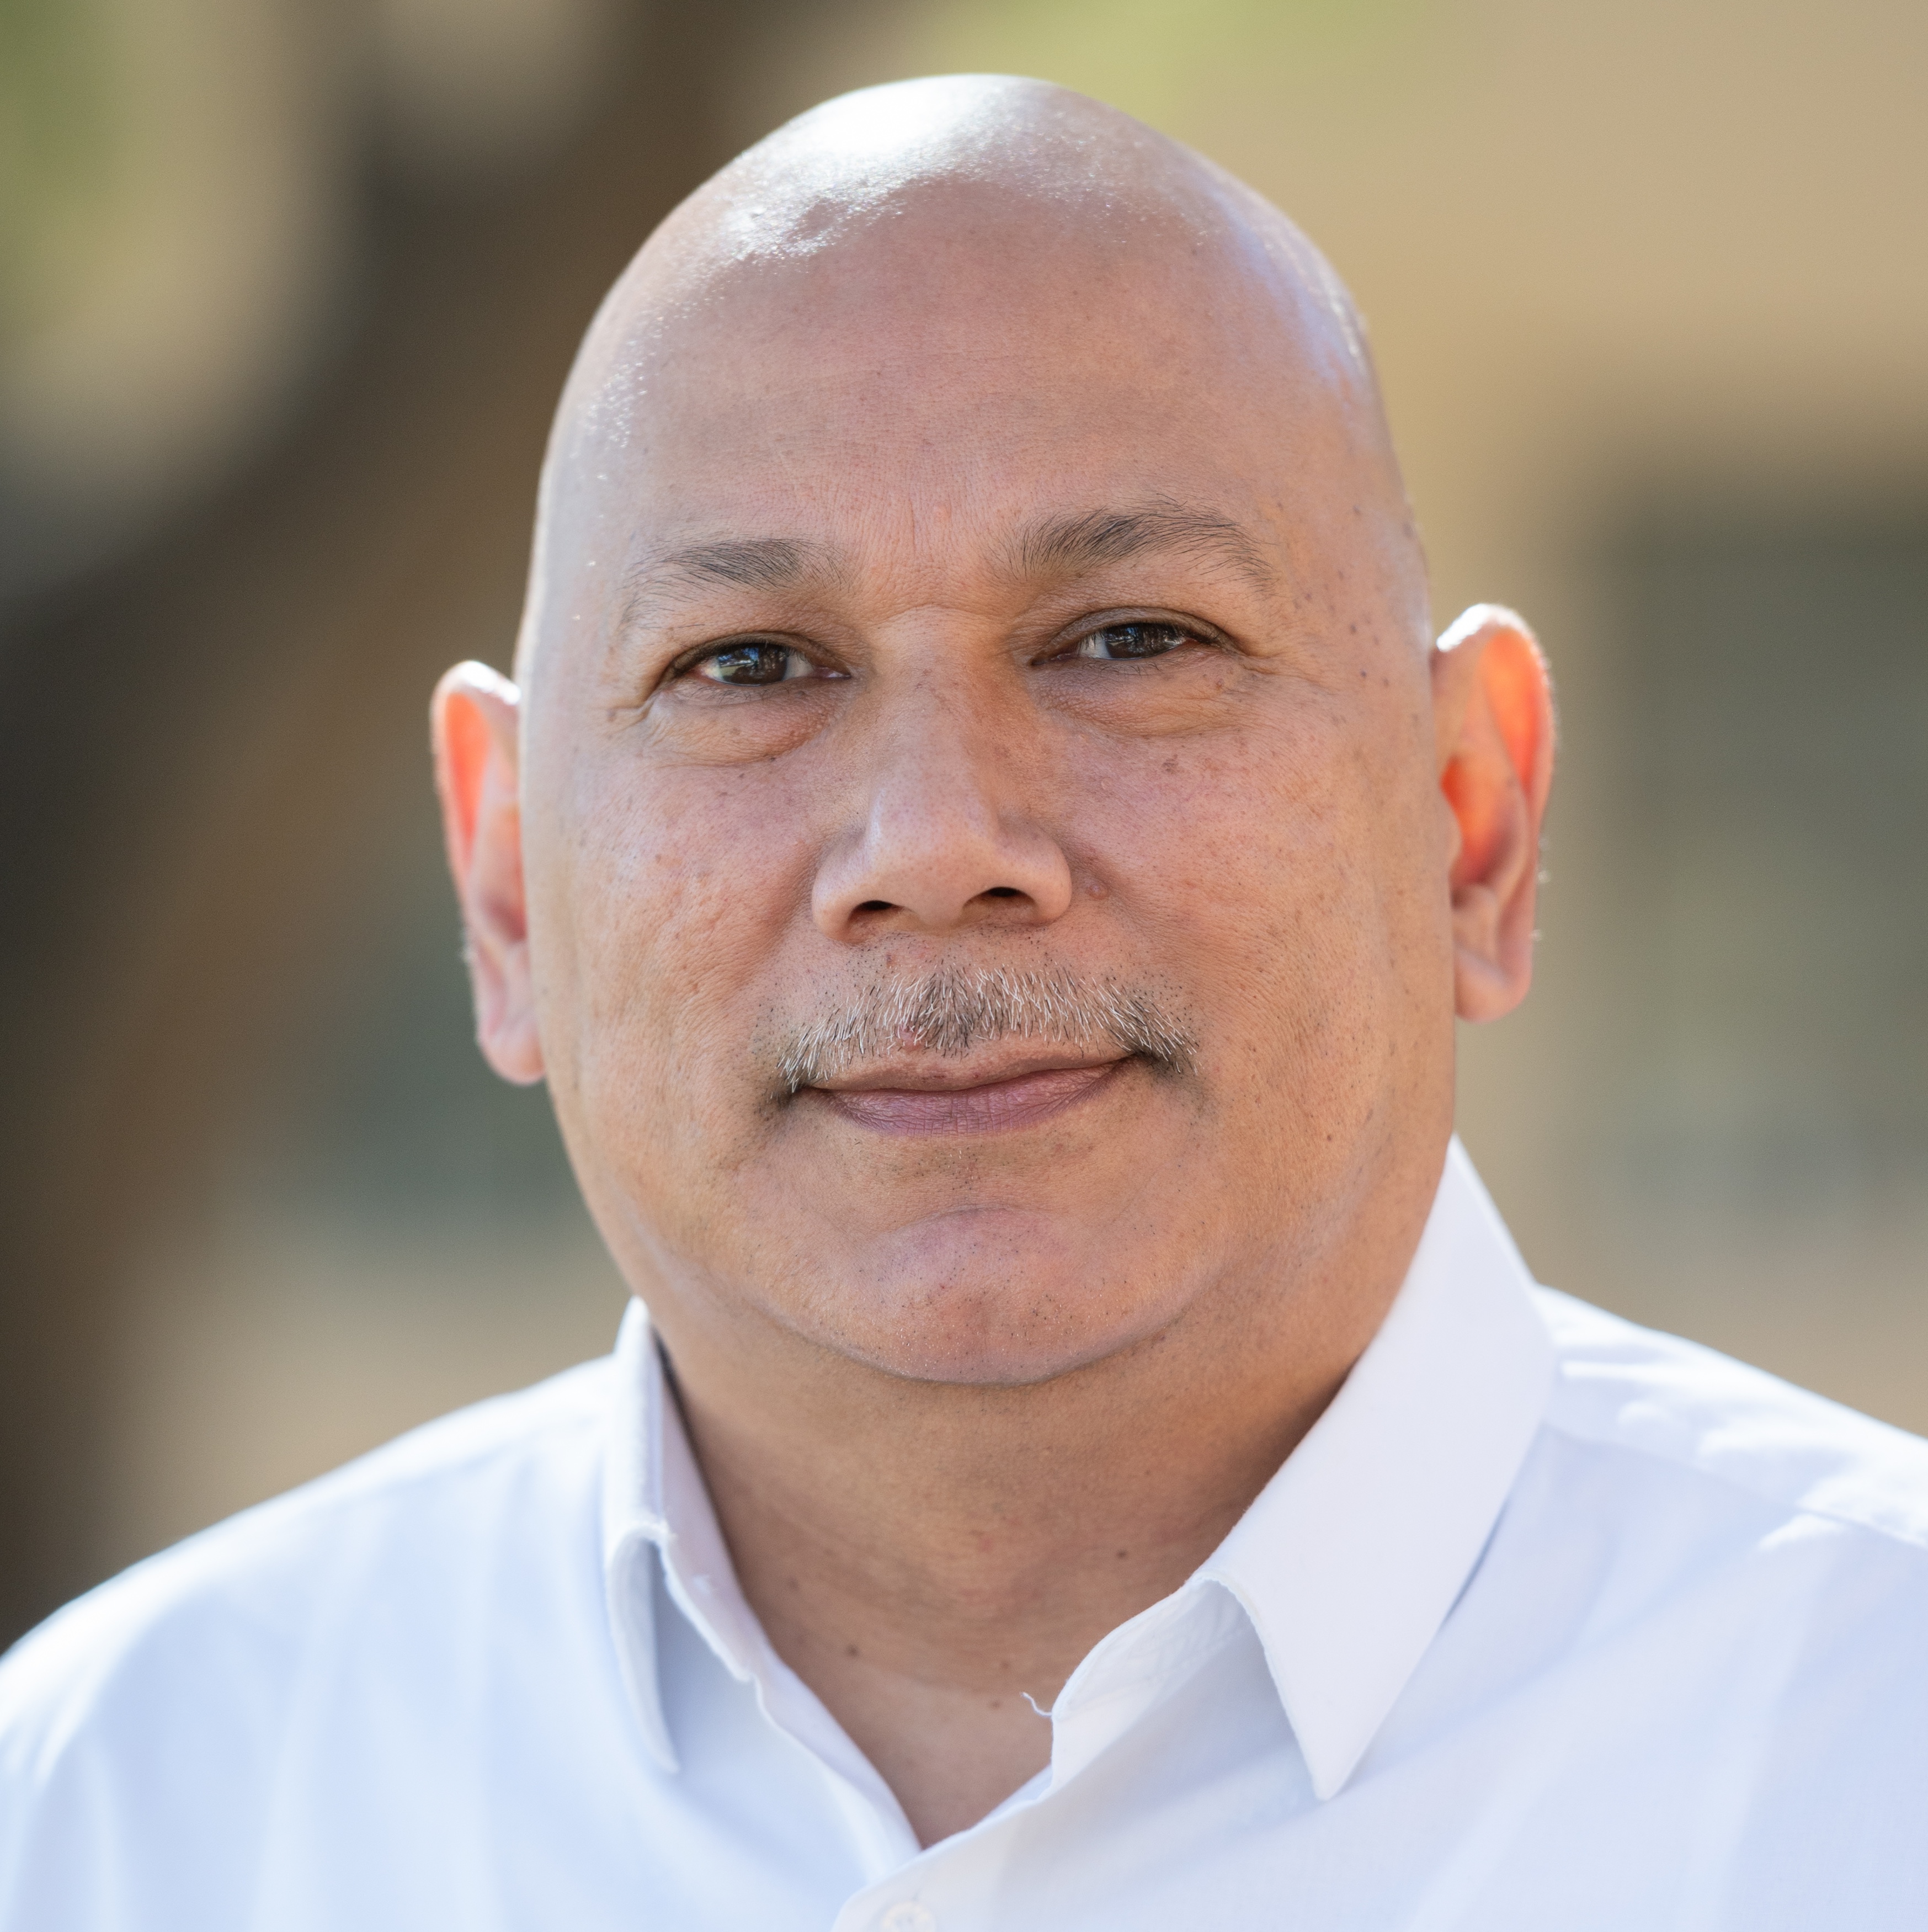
{"x":999,"y":1107}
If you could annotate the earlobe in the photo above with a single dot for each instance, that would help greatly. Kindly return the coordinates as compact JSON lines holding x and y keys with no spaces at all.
{"x":473,"y":721}
{"x":1493,"y":711}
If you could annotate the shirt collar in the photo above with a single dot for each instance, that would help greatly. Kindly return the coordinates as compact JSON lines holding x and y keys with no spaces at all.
{"x":1347,"y":1563}
{"x":635,"y":1523}
{"x":1351,"y":1556}
{"x":657,"y":1519}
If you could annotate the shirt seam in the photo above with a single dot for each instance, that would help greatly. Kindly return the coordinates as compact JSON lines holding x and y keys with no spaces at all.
{"x":292,"y":1505}
{"x":1757,"y":1492}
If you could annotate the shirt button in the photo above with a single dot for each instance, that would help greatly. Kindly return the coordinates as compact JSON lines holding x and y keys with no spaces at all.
{"x":908,"y":1915}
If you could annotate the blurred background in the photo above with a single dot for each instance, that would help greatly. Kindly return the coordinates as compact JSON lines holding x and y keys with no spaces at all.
{"x":287,"y":289}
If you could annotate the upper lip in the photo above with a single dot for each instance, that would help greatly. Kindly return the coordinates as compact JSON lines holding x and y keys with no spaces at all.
{"x":926,"y":1073}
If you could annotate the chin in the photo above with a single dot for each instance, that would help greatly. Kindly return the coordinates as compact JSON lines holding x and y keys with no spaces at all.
{"x":995,"y":1312}
{"x":982,"y":1350}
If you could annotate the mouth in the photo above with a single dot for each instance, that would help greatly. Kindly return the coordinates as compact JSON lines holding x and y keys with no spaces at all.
{"x":898,"y":1102}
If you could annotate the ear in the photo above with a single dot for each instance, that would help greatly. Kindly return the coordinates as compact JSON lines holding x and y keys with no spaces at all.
{"x":472,"y":720}
{"x":1493,"y":711}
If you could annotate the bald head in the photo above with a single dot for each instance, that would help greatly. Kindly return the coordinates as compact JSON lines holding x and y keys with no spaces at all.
{"x":958,"y":235}
{"x":972,"y":863}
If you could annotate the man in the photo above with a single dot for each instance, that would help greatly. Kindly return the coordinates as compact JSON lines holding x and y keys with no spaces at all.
{"x":986,"y":857}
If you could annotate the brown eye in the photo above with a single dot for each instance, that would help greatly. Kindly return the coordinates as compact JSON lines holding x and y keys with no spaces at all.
{"x":1116,"y":641}
{"x":757,"y":662}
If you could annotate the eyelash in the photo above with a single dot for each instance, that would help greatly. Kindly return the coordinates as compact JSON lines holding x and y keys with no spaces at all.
{"x":1182,"y":632}
{"x":691,"y":665}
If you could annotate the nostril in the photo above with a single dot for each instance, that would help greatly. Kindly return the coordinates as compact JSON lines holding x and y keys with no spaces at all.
{"x":1002,"y":892}
{"x":876,"y":905}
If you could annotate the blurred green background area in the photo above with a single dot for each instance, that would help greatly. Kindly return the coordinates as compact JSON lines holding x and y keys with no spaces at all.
{"x":287,"y":289}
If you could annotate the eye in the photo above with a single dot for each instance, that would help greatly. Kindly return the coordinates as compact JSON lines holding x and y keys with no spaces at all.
{"x":758,"y":661}
{"x":1114,"y":642}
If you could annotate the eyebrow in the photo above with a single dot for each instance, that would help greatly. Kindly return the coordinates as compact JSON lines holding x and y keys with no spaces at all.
{"x":750,"y":563}
{"x":1062,"y":545}
{"x":1054,"y":546}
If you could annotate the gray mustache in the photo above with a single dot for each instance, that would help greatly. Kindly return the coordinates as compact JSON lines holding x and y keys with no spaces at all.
{"x":949,"y":1011}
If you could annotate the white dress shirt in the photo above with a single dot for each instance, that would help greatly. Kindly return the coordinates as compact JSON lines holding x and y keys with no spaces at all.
{"x":1550,"y":1624}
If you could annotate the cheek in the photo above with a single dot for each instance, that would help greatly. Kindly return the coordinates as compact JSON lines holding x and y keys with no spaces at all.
{"x":675,"y":890}
{"x":1271,"y":870}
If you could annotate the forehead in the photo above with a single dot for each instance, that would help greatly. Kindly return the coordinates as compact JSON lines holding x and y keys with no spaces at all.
{"x":830,"y":442}
{"x":953,"y":386}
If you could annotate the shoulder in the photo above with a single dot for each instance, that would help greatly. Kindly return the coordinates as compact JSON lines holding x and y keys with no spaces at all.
{"x":206,"y":1647}
{"x":273,"y":1565}
{"x":1711,"y":1430}
{"x":1746,"y":1563}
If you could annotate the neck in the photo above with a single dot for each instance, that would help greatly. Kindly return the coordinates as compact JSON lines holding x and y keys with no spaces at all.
{"x":935,"y":1560}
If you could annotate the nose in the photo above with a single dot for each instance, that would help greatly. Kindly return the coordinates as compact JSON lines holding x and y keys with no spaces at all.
{"x":947,"y":838}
